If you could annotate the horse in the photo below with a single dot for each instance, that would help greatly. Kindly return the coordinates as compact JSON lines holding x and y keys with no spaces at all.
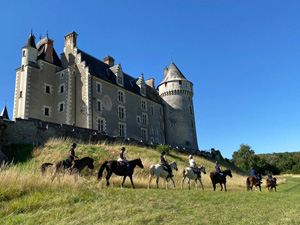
{"x":59,"y":167}
{"x":252,"y":181}
{"x":217,"y":178}
{"x":115,"y":167}
{"x":271,"y":183}
{"x":189,"y":172}
{"x":159,"y":171}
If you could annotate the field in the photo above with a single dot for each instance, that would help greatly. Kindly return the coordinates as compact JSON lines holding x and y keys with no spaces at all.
{"x":28,"y":198}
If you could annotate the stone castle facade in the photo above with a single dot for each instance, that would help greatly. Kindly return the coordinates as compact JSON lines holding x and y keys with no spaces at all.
{"x":80,"y":90}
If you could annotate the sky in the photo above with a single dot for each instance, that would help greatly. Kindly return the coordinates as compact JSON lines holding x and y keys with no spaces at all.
{"x":242,"y":57}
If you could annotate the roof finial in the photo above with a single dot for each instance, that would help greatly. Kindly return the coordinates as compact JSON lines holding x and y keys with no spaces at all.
{"x":171,"y":56}
{"x":47,"y":33}
{"x":31,"y":32}
{"x":142,"y":75}
{"x":40,"y":36}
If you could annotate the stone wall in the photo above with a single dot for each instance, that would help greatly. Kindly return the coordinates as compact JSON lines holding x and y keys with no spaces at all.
{"x":37,"y":132}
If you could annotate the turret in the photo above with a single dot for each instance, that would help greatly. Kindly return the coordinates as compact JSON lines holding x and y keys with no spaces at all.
{"x":177,"y":94}
{"x":29,"y":51}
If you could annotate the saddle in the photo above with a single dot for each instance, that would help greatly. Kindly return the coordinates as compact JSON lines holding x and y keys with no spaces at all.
{"x":120,"y":163}
{"x":195,"y":170}
{"x":165,"y":168}
{"x":66,"y":164}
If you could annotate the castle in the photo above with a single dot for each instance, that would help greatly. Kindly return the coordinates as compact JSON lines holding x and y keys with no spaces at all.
{"x":80,"y":90}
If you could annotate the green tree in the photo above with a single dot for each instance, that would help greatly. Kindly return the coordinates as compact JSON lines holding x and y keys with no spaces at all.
{"x":244,"y":158}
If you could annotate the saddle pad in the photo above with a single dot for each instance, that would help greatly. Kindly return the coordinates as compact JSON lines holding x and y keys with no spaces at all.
{"x":67,"y":164}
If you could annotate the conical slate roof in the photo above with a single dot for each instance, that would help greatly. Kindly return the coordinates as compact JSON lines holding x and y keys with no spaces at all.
{"x":31,"y":41}
{"x":4,"y":113}
{"x":173,"y":74}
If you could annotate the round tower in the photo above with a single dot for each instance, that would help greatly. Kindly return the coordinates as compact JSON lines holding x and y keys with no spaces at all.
{"x":177,"y":94}
{"x":29,"y":51}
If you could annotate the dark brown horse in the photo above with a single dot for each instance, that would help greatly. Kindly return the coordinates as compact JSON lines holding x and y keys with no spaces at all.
{"x":271,"y":183}
{"x":59,"y":167}
{"x":120,"y":170}
{"x":217,"y":178}
{"x":253,"y":182}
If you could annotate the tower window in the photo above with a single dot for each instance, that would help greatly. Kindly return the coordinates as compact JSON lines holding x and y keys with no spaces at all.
{"x":21,"y":94}
{"x":99,"y":87}
{"x":99,"y":106}
{"x":152,"y":110}
{"x":24,"y":53}
{"x":166,"y":84}
{"x":62,"y":89}
{"x":180,"y":82}
{"x":47,"y":89}
{"x":61,"y":107}
{"x":22,"y":68}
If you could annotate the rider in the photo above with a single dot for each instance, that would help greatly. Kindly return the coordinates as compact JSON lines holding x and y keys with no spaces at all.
{"x":164,"y":162}
{"x":254,"y":174}
{"x":218,"y":169}
{"x":72,"y":157}
{"x":270,"y":178}
{"x":122,"y":156}
{"x":193,"y":165}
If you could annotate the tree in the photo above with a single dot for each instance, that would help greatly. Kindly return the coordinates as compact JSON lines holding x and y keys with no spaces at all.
{"x":244,"y":158}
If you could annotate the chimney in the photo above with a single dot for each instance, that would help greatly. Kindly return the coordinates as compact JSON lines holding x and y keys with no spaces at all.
{"x":150,"y":82}
{"x":165,"y":70}
{"x":49,"y":50}
{"x":70,"y":39}
{"x":109,"y":60}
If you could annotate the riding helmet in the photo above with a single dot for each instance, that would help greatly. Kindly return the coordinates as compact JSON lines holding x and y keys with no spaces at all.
{"x":123,"y":149}
{"x":162,"y":152}
{"x":190,"y":156}
{"x":74,"y":145}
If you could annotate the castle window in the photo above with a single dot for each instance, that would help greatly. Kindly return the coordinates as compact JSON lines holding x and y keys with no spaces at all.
{"x":180,"y":82}
{"x":101,"y":124}
{"x":62,"y":76}
{"x":192,"y":123}
{"x":187,"y":143}
{"x":22,"y":69}
{"x":122,"y":129}
{"x":99,"y":105}
{"x":99,"y":87}
{"x":48,"y":89}
{"x":62,"y":89}
{"x":152,"y":110}
{"x":120,"y":80}
{"x":61,"y":107}
{"x":191,"y":110}
{"x":144,"y":134}
{"x":121,"y":96}
{"x":24,"y":53}
{"x":144,"y":105}
{"x":138,"y":119}
{"x":144,"y":119}
{"x":46,"y":110}
{"x":166,"y":84}
{"x":21,"y":94}
{"x":121,"y":113}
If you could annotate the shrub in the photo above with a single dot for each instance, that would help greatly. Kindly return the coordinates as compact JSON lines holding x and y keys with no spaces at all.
{"x":164,"y":148}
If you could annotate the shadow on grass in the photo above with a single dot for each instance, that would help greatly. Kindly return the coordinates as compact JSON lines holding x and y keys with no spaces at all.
{"x":18,"y":152}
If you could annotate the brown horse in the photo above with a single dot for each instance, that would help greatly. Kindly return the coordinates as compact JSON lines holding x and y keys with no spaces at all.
{"x":271,"y":183}
{"x":59,"y":167}
{"x":120,"y":170}
{"x":217,"y":178}
{"x":252,"y":181}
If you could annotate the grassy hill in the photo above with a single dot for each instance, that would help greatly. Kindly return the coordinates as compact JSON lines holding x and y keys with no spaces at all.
{"x":28,"y":198}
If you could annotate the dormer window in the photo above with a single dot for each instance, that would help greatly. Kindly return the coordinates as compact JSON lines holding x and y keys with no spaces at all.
{"x":120,"y":80}
{"x":117,"y":70}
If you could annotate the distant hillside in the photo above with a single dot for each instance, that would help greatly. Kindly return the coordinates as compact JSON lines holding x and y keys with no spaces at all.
{"x":282,"y":163}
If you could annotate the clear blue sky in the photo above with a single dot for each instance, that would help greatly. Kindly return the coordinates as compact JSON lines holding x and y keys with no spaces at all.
{"x":242,"y":56}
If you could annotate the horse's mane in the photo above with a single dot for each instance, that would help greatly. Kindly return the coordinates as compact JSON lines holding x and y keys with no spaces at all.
{"x":134,"y":160}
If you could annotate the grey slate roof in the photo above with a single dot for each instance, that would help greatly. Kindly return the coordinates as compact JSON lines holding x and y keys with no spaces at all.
{"x":4,"y":113}
{"x":173,"y":74}
{"x":102,"y":70}
{"x":41,"y":53}
{"x":30,"y":41}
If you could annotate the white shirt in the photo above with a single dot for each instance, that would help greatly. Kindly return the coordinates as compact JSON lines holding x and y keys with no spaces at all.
{"x":192,"y":163}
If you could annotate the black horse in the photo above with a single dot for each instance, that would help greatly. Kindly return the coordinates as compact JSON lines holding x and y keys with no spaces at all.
{"x":120,"y":170}
{"x":217,"y":178}
{"x":59,"y":167}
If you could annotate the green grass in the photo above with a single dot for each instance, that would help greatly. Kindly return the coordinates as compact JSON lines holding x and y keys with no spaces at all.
{"x":27,"y":198}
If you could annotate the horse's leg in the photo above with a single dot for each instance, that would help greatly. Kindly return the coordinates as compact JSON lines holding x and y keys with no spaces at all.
{"x":131,"y":181}
{"x":221,"y":186}
{"x":150,"y":178}
{"x":107,"y":178}
{"x":173,"y":182}
{"x":167,"y":183}
{"x":225,"y":186}
{"x":196,"y":184}
{"x":259,"y":187}
{"x":214,"y":185}
{"x":157,"y":180}
{"x":201,"y":184}
{"x":52,"y":178}
{"x":182,"y":182}
{"x":189,"y":183}
{"x":124,"y":178}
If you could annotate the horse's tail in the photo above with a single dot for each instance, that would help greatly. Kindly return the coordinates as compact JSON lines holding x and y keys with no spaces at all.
{"x":151,"y":174}
{"x":184,"y":172}
{"x":101,"y":170}
{"x":44,"y":166}
{"x":248,"y":184}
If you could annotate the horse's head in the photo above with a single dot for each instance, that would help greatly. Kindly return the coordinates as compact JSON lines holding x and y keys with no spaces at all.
{"x":229,"y":173}
{"x":202,"y":169}
{"x":173,"y":165}
{"x":140,"y":164}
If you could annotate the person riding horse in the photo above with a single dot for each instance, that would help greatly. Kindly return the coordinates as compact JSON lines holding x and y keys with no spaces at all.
{"x":218,"y":169}
{"x":271,"y":179}
{"x":194,"y":166}
{"x":123,"y":158}
{"x":254,"y":174}
{"x":72,"y":157}
{"x":164,"y":162}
